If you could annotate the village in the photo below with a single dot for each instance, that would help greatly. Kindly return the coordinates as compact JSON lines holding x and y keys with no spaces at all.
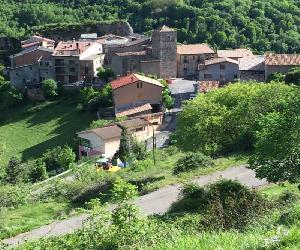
{"x":149,"y":124}
{"x":74,"y":64}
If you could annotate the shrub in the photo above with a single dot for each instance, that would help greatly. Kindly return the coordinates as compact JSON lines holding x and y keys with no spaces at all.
{"x":13,"y":195}
{"x":225,"y":205}
{"x":105,"y":73}
{"x":14,"y":171}
{"x":50,"y":88}
{"x":59,"y":158}
{"x":100,"y":123}
{"x":293,"y":76}
{"x":192,"y":161}
{"x":37,"y":171}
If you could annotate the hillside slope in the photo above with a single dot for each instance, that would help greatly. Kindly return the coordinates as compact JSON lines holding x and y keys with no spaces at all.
{"x":272,"y":25}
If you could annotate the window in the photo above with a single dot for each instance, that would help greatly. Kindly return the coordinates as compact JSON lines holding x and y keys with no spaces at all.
{"x":139,"y":129}
{"x":222,"y":66}
{"x":155,"y":123}
{"x":139,"y":85}
{"x":46,"y":63}
{"x":72,"y":69}
{"x":207,"y":76}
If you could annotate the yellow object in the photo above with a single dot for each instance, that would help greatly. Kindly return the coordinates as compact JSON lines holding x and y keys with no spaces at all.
{"x":114,"y":169}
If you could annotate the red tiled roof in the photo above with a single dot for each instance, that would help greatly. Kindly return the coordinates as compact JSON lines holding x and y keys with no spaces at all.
{"x":125,"y":80}
{"x":194,"y":49}
{"x":206,"y":86}
{"x":133,"y":78}
{"x":238,"y":53}
{"x":282,"y":59}
{"x":72,"y":48}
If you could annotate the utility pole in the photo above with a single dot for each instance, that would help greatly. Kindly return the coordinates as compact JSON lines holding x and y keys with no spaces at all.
{"x":154,"y":144}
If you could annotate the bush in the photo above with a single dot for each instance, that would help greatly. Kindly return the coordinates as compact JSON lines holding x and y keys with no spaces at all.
{"x":14,"y":171}
{"x":192,"y":161}
{"x":37,"y":171}
{"x":50,"y":88}
{"x":225,"y":205}
{"x":293,"y":76}
{"x":13,"y":195}
{"x":59,"y":159}
{"x":100,"y":123}
{"x":105,"y":73}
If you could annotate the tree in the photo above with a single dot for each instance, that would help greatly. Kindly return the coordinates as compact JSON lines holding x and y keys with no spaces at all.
{"x":50,"y":87}
{"x":276,"y":77}
{"x":14,"y":171}
{"x":58,"y":159}
{"x":277,"y":149}
{"x":293,"y":76}
{"x":226,"y":119}
{"x":38,"y":171}
{"x":124,"y":152}
{"x":105,"y":74}
{"x":123,"y":193}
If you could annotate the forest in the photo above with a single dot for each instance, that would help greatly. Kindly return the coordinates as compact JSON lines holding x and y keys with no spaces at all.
{"x":264,"y":26}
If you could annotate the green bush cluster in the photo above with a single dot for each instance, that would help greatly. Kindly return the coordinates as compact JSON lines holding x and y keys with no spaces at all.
{"x":58,"y":159}
{"x":191,"y":161}
{"x":227,"y":119}
{"x":224,"y":205}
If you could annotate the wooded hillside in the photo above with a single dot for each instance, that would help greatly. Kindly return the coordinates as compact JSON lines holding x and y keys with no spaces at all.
{"x":271,"y":25}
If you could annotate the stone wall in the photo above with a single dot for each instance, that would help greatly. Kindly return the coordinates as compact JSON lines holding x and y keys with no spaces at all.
{"x":59,"y":32}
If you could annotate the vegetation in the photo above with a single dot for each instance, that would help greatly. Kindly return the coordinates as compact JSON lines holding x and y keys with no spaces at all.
{"x":50,"y":88}
{"x":100,"y":123}
{"x":277,"y":152}
{"x":192,"y":161}
{"x":262,"y":25}
{"x":227,"y":119}
{"x":58,"y":159}
{"x":105,"y":74}
{"x":27,"y":131}
{"x":187,"y":230}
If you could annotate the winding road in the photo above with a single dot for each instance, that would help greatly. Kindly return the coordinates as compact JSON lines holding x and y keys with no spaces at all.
{"x":157,"y":202}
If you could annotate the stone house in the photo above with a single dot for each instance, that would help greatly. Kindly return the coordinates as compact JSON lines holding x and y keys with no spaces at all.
{"x":234,"y":54}
{"x":135,"y":95}
{"x":280,"y":63}
{"x":31,"y":67}
{"x":252,"y":68}
{"x":190,"y":58}
{"x":223,"y":70}
{"x":77,"y":61}
{"x":106,"y":141}
{"x":157,"y":57}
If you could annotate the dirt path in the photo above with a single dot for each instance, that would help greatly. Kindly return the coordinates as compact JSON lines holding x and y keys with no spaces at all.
{"x":152,"y":203}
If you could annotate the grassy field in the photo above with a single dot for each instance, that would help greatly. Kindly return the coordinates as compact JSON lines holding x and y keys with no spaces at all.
{"x":31,"y":216}
{"x":28,"y":131}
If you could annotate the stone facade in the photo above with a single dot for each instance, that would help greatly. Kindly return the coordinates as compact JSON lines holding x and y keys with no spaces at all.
{"x":191,"y":57}
{"x":164,"y":48}
{"x":157,"y":57}
{"x":223,"y":70}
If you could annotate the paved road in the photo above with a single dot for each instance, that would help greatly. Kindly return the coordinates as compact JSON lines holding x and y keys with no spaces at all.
{"x":181,"y":90}
{"x":154,"y":203}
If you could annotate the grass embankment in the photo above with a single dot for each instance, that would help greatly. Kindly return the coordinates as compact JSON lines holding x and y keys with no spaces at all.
{"x":29,"y":216}
{"x":149,"y":177}
{"x":80,"y":186}
{"x":28,"y":131}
